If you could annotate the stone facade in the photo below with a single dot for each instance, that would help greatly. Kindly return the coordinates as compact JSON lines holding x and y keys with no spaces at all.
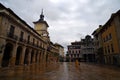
{"x":61,"y":52}
{"x":110,"y":39}
{"x":82,"y":50}
{"x":20,"y":44}
{"x":74,"y":51}
{"x":87,"y":49}
{"x":60,"y":48}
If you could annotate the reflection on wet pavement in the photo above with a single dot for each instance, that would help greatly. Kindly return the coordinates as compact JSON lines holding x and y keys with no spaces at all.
{"x":60,"y":71}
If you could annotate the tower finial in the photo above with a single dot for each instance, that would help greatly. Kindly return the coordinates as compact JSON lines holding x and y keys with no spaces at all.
{"x":42,"y":16}
{"x":42,"y":11}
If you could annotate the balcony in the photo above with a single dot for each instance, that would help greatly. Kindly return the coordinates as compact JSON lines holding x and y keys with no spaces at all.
{"x":12,"y":36}
{"x":22,"y":40}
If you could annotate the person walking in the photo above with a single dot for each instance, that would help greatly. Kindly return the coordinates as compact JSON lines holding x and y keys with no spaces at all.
{"x":76,"y":63}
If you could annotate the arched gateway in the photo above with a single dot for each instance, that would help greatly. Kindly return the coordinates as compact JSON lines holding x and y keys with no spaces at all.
{"x":18,"y":55}
{"x":7,"y":54}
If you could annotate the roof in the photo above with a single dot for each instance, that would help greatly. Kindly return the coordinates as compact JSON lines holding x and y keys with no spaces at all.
{"x":40,"y":21}
{"x":58,"y":45}
{"x":97,"y":30}
{"x":110,"y":20}
{"x":76,"y":43}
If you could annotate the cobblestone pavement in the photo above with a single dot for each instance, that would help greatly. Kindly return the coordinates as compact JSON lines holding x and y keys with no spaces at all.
{"x":61,"y":71}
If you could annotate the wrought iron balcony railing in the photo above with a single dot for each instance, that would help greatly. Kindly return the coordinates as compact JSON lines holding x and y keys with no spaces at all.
{"x":12,"y":36}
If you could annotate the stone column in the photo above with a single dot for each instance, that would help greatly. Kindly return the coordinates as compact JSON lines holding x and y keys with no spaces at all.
{"x":1,"y":55}
{"x":48,"y":59}
{"x":44,"y":60}
{"x":42,"y":57}
{"x":22,"y":56}
{"x":13,"y":57}
{"x":29,"y":56}
{"x":2,"y":47}
{"x":38,"y":57}
{"x":34,"y":56}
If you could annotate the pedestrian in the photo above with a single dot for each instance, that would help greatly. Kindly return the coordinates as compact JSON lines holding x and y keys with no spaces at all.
{"x":76,"y":63}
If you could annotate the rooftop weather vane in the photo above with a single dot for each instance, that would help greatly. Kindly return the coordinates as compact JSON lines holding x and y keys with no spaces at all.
{"x":42,"y":16}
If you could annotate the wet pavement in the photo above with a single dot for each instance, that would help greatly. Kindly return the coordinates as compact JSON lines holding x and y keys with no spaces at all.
{"x":61,"y":71}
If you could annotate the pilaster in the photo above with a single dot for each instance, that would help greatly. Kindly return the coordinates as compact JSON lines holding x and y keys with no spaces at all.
{"x":29,"y":56}
{"x":13,"y":57}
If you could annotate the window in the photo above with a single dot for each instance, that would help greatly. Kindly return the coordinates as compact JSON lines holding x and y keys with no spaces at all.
{"x":79,"y":51}
{"x":28,"y":38}
{"x":33,"y":41}
{"x":74,"y":55}
{"x":108,"y":49}
{"x":103,"y":39}
{"x":107,"y":38}
{"x":21,"y":35}
{"x":72,"y":51}
{"x":69,"y":52}
{"x":41,"y":44}
{"x":77,"y":55}
{"x":112,"y":48}
{"x":76,"y":51}
{"x":105,"y":50}
{"x":110,"y":36}
{"x":12,"y":28}
{"x":37,"y":43}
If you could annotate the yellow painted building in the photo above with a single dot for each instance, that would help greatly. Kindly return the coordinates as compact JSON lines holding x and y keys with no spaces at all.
{"x":60,"y":48}
{"x":41,"y":27}
{"x":111,"y":39}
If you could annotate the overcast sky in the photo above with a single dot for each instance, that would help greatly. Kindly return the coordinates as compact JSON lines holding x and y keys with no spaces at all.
{"x":69,"y":20}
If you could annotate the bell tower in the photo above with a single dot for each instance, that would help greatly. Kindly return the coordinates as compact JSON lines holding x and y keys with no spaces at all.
{"x":41,"y":26}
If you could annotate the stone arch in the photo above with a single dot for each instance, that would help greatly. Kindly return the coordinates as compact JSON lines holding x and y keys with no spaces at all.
{"x":18,"y":55}
{"x":26,"y":56}
{"x":7,"y":54}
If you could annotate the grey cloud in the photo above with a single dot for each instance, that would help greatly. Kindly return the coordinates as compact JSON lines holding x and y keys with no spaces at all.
{"x":68,"y":19}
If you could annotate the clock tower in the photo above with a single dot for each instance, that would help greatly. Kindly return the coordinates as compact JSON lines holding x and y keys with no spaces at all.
{"x":41,"y":27}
